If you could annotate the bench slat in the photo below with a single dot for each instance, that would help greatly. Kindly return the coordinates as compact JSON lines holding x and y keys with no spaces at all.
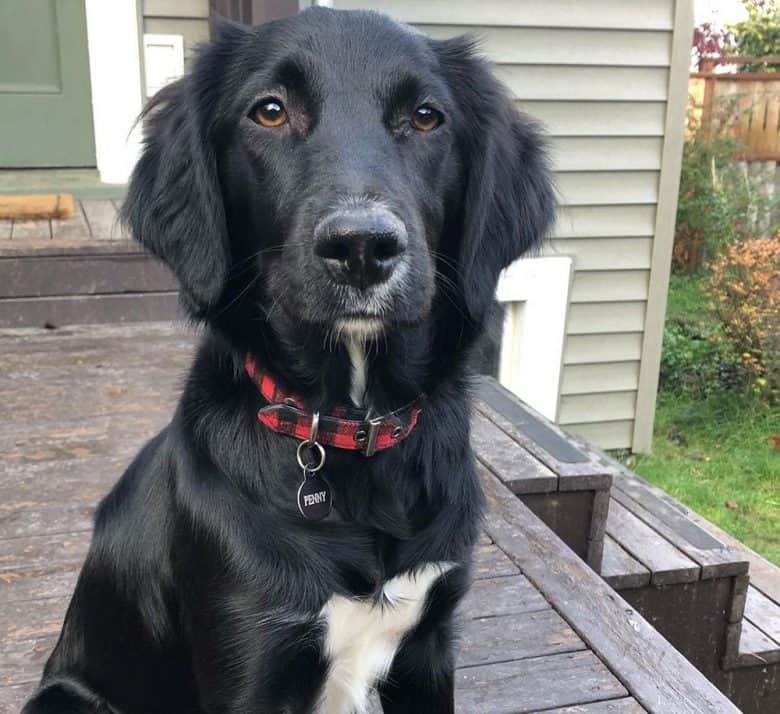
{"x":520,"y":471}
{"x":667,"y":564}
{"x":620,"y":570}
{"x":629,"y":705}
{"x":764,"y":613}
{"x":717,"y":562}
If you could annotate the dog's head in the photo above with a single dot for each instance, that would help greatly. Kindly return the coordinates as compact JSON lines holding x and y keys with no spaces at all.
{"x":338,"y":170}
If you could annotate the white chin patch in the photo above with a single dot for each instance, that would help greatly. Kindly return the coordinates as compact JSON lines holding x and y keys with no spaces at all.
{"x":359,"y":327}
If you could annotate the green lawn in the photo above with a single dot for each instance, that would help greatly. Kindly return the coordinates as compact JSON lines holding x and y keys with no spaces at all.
{"x":715,"y":454}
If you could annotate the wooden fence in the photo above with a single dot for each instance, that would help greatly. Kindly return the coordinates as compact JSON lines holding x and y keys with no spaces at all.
{"x":754,"y":97}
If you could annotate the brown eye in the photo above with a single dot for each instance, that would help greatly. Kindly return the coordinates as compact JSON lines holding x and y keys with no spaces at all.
{"x":426,"y":118}
{"x":270,"y":113}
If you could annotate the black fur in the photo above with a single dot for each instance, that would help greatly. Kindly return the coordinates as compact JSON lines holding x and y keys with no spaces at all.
{"x":203,"y":584}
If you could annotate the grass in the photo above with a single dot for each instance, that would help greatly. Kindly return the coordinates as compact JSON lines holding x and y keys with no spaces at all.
{"x":716,"y":454}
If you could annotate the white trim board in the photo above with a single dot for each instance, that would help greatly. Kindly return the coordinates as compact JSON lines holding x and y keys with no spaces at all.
{"x":535,"y":296}
{"x":115,"y":75}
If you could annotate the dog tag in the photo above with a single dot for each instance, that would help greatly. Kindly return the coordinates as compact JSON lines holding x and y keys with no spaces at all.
{"x":314,"y":497}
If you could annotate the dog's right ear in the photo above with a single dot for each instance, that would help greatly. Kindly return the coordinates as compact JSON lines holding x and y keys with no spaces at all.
{"x":174,"y":202}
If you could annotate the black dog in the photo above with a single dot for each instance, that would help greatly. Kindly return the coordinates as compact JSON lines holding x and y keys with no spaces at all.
{"x":337,"y":195}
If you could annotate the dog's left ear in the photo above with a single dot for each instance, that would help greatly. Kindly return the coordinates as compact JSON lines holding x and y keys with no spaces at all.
{"x":509,"y":201}
{"x":174,"y":202}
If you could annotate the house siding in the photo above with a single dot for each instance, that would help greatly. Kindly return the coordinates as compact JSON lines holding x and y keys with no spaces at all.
{"x":188,"y":18}
{"x":599,"y":76}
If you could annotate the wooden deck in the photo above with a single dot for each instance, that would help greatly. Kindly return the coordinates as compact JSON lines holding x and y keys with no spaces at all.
{"x":83,"y":270}
{"x":541,"y":630}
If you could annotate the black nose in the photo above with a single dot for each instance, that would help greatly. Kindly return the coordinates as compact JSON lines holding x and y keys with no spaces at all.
{"x":360,"y":246}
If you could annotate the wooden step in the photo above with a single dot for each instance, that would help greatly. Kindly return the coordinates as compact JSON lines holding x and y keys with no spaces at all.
{"x":694,"y":588}
{"x":87,"y":271}
{"x":759,"y":643}
{"x":564,"y":486}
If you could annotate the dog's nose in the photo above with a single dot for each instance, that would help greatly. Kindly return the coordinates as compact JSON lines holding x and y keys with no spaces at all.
{"x":360,"y":246}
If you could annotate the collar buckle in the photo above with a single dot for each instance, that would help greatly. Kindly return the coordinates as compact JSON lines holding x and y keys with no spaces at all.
{"x":372,"y":432}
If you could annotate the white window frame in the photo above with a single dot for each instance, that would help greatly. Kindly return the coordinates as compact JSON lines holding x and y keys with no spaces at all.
{"x":535,"y":295}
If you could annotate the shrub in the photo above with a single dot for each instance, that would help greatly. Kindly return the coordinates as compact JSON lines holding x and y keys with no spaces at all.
{"x":698,"y":361}
{"x":719,"y":204}
{"x":758,"y":35}
{"x":746,"y":284}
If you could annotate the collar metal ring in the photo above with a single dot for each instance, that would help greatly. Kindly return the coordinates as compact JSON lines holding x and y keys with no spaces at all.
{"x":311,"y":468}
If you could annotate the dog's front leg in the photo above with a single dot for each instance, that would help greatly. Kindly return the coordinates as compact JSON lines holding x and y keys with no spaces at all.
{"x":421,"y":679}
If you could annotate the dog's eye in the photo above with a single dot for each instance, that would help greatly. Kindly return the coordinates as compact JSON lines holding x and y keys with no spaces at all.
{"x":426,"y":118}
{"x":269,"y":112}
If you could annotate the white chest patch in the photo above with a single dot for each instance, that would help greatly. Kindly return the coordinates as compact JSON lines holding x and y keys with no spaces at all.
{"x":363,"y":636}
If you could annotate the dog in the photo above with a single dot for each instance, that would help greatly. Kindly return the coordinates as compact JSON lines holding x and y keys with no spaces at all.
{"x":337,"y":195}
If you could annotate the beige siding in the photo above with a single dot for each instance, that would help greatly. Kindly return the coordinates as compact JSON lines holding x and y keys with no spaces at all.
{"x":596,"y":75}
{"x":188,"y":18}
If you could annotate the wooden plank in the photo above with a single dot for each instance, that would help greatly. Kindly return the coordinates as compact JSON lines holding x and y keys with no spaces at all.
{"x":32,"y":619}
{"x":755,"y":647}
{"x":609,"y":286}
{"x":12,"y":698}
{"x":715,"y":560}
{"x":629,"y":705}
{"x":35,"y":276}
{"x":611,"y":221}
{"x":102,"y":219}
{"x":620,"y":570}
{"x":74,"y":228}
{"x":666,"y":563}
{"x":598,"y":188}
{"x":31,"y":230}
{"x":604,"y":254}
{"x":40,"y":551}
{"x":493,"y":597}
{"x":564,"y":46}
{"x":599,"y":378}
{"x":78,"y":309}
{"x":606,"y":318}
{"x":583,"y":408}
{"x":509,"y":460}
{"x":764,"y":614}
{"x":603,"y":84}
{"x":587,"y":349}
{"x":76,"y":245}
{"x":513,"y":637}
{"x":38,"y":583}
{"x":569,"y":514}
{"x":510,"y":687}
{"x":489,"y":562}
{"x":591,"y":119}
{"x":546,"y":441}
{"x":650,"y":15}
{"x":23,"y":662}
{"x":658,"y":676}
{"x":5,"y":229}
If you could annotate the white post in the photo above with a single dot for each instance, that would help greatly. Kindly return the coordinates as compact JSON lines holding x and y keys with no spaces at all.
{"x":115,"y":74}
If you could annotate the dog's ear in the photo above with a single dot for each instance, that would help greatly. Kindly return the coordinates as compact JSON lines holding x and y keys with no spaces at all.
{"x":174,"y":203}
{"x":508,"y":201}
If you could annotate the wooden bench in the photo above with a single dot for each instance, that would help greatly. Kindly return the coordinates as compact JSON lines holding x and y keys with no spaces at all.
{"x":541,"y":630}
{"x":691,"y":585}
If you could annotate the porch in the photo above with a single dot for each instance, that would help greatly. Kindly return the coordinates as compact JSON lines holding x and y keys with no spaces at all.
{"x":542,"y":630}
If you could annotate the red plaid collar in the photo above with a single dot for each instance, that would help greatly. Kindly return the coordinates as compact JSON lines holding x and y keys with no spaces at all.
{"x":344,"y":427}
